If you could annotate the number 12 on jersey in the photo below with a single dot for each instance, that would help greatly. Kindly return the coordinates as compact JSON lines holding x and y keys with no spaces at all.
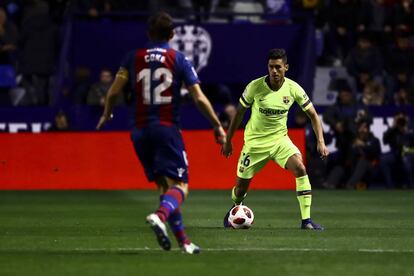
{"x":146,"y":76}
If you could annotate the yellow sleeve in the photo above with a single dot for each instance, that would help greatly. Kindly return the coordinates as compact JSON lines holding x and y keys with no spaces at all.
{"x":302,"y":98}
{"x":246,"y":98}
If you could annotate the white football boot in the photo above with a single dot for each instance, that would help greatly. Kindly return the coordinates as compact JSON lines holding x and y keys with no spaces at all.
{"x":190,"y":248}
{"x":160,"y":231}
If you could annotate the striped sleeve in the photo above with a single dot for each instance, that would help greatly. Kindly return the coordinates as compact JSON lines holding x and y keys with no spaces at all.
{"x":244,"y":102}
{"x":302,"y":98}
{"x":246,"y":99}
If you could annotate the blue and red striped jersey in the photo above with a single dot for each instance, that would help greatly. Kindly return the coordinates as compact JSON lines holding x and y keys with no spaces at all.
{"x":156,"y":76}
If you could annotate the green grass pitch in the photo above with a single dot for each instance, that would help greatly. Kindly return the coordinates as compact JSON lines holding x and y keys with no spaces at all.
{"x":103,"y":233}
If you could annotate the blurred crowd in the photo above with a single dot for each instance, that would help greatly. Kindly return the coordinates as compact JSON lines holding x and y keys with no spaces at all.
{"x":372,"y":40}
{"x":357,"y":160}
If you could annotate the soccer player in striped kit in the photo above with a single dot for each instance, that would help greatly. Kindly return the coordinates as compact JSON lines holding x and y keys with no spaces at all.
{"x":156,"y":74}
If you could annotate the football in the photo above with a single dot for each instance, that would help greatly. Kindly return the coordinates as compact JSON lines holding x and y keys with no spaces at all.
{"x":241,"y":217}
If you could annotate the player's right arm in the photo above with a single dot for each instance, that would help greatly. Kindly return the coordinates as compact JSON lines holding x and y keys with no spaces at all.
{"x":246,"y":101}
{"x":204,"y":105}
{"x":227,"y":148}
{"x":116,"y":88}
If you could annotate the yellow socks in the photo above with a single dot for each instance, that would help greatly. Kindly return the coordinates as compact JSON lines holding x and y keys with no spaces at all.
{"x":304,"y":195}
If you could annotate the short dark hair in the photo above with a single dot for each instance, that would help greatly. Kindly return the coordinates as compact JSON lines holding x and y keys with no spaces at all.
{"x":277,"y":54}
{"x":160,"y":27}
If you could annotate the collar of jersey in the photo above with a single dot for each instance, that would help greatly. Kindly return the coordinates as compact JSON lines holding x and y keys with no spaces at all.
{"x":158,"y":44}
{"x":268,"y":87}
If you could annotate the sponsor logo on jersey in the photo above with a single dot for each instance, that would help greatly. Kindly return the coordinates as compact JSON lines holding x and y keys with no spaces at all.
{"x":195,"y":42}
{"x":272,"y":112}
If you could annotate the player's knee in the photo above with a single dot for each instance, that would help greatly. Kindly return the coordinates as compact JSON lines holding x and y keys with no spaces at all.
{"x":183,"y":187}
{"x":299,"y":170}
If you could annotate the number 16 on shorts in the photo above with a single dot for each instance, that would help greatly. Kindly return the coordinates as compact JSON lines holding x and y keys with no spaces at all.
{"x":244,"y":161}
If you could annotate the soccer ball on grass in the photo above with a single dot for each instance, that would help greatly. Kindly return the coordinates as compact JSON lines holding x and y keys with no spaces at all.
{"x":241,"y":217}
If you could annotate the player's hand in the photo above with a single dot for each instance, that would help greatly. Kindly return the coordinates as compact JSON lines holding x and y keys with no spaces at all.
{"x":227,"y":149}
{"x":103,"y":120}
{"x":220,"y":135}
{"x":323,"y":150}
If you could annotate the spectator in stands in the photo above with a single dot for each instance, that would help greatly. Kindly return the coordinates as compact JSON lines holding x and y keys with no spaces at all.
{"x":366,"y":152}
{"x":227,"y":115}
{"x":8,"y":43}
{"x":399,"y":64}
{"x":364,"y":61}
{"x":404,"y":96}
{"x":38,"y":49}
{"x":61,"y":122}
{"x":8,"y":39}
{"x":98,"y":91}
{"x":399,"y":160}
{"x":373,"y":92}
{"x":403,"y":15}
{"x":342,"y":119}
{"x":93,"y":7}
{"x":316,"y":166}
{"x":375,"y":17}
{"x":81,"y":85}
{"x":341,"y":21}
{"x":218,"y":93}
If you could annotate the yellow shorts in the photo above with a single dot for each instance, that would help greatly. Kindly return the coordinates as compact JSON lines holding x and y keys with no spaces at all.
{"x":251,"y":163}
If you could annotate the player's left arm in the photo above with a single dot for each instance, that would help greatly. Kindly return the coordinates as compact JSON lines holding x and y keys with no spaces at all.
{"x":317,"y":128}
{"x":116,"y":88}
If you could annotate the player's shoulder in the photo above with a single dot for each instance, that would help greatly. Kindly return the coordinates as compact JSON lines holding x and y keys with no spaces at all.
{"x":294,"y":87}
{"x":169,"y":49}
{"x":291,"y":82}
{"x":258,"y":82}
{"x":179,"y":56}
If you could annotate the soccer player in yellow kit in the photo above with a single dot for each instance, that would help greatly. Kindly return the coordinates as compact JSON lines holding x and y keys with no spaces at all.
{"x":266,"y":135}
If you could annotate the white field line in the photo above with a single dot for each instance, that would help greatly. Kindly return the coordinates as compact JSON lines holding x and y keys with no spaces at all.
{"x":248,"y":249}
{"x":133,"y":250}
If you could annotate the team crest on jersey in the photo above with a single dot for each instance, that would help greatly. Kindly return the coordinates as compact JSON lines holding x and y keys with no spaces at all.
{"x":286,"y":99}
{"x":195,"y":42}
{"x":241,"y":169}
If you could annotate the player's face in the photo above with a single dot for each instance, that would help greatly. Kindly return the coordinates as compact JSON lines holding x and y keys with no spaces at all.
{"x":277,"y":69}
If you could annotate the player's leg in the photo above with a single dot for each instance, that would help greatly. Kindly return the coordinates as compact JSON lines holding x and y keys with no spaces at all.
{"x":175,"y":221}
{"x":249,"y":164}
{"x":238,"y":194}
{"x":288,"y":156}
{"x":303,"y":191}
{"x":145,"y":149}
{"x":172,"y":178}
{"x":173,"y":195}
